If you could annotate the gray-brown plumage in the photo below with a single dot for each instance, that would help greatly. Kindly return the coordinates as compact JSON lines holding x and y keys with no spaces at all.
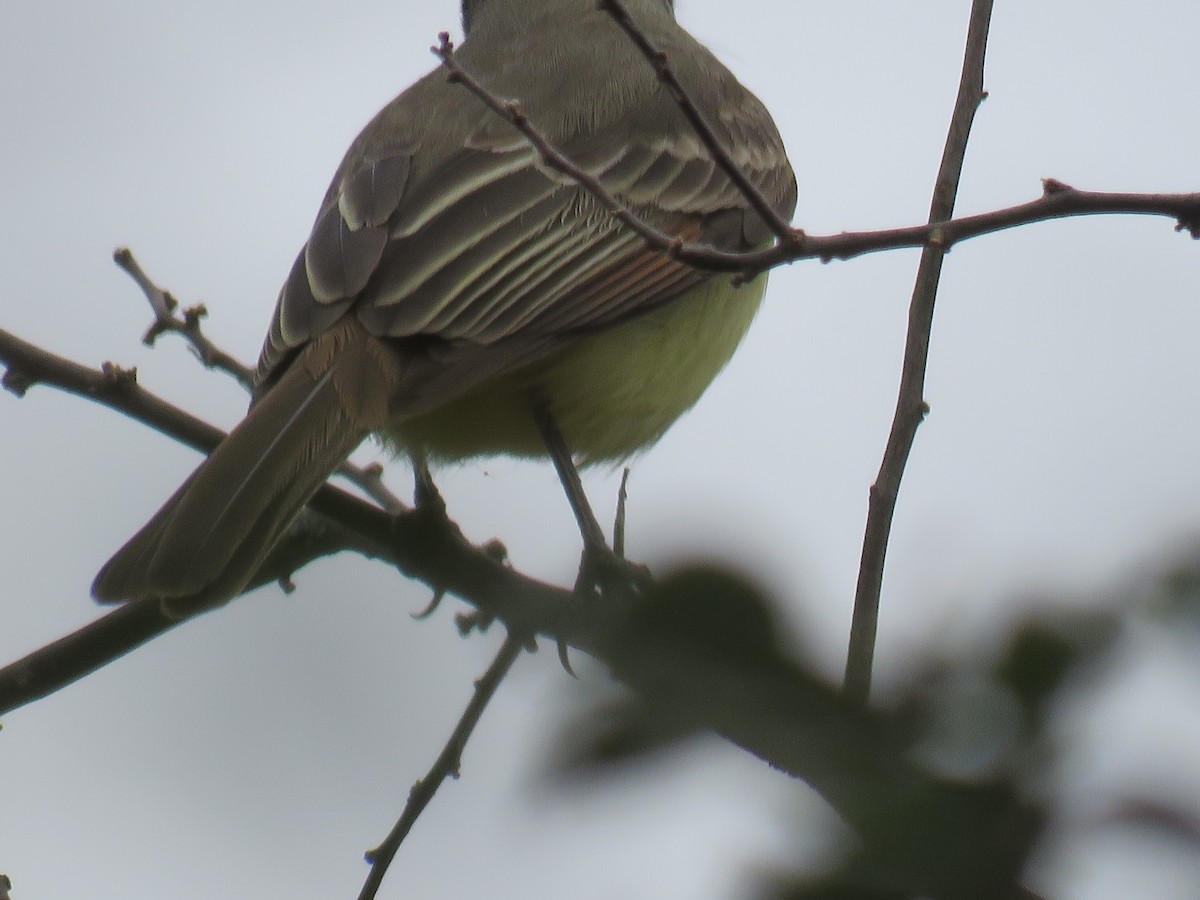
{"x":451,"y":278}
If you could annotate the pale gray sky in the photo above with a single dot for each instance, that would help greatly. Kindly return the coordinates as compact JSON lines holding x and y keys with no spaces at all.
{"x":258,"y":751}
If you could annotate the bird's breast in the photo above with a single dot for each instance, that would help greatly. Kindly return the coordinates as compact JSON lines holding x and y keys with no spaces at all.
{"x":613,"y":393}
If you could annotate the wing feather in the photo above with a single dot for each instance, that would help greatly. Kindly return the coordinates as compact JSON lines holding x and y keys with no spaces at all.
{"x":488,"y":246}
{"x":487,"y":223}
{"x":513,"y":312}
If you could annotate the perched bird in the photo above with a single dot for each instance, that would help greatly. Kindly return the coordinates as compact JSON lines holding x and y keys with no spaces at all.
{"x":454,"y":286}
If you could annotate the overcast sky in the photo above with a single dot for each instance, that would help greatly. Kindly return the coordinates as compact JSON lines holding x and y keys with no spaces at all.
{"x":258,"y":751}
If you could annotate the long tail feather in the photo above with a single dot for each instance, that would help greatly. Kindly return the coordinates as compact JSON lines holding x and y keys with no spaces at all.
{"x":205,"y":544}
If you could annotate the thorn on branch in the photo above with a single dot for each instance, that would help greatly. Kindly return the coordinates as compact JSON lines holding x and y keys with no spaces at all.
{"x":1191,"y":225}
{"x":529,"y":644}
{"x":1054,"y":186}
{"x":513,"y":108}
{"x":17,"y":382}
{"x":118,"y":376}
{"x":444,"y":49}
{"x":797,"y":239}
{"x":193,"y":314}
{"x":477,"y":620}
{"x":496,"y":549}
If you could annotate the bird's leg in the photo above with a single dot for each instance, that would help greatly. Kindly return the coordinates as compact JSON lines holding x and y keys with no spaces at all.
{"x":600,"y":565}
{"x":589,"y":526}
{"x":618,"y":544}
{"x":425,"y":492}
{"x":429,"y":502}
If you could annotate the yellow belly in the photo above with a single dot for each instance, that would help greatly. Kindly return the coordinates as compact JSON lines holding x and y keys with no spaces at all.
{"x":612,"y":393}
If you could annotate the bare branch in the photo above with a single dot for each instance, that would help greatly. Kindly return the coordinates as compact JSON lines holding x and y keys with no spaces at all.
{"x":112,"y":386}
{"x":910,"y":405}
{"x":66,"y":660}
{"x":369,"y":478}
{"x":1058,"y":201}
{"x":447,"y":765}
{"x":163,"y":304}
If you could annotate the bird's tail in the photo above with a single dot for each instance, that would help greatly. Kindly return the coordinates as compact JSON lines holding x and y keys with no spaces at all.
{"x":206,"y":543}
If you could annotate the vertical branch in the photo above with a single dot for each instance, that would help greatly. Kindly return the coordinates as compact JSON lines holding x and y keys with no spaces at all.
{"x":910,"y":405}
{"x":447,"y":764}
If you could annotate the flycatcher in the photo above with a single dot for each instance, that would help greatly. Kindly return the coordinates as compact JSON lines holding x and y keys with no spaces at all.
{"x":453,"y":284}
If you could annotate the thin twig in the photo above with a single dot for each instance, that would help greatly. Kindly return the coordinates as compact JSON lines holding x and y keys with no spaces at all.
{"x":552,"y":157}
{"x":73,"y":656}
{"x":163,"y":304}
{"x":369,"y":479}
{"x":1057,"y":201}
{"x":781,"y":228}
{"x":447,"y":764}
{"x":28,"y":365}
{"x":910,"y":405}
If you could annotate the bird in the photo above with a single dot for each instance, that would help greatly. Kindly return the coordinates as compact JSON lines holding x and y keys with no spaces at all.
{"x":459,"y":298}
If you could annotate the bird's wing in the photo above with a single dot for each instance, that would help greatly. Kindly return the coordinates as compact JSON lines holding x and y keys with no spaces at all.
{"x":494,"y":248}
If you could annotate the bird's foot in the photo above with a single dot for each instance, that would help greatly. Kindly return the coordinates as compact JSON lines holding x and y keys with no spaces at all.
{"x":604,"y":572}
